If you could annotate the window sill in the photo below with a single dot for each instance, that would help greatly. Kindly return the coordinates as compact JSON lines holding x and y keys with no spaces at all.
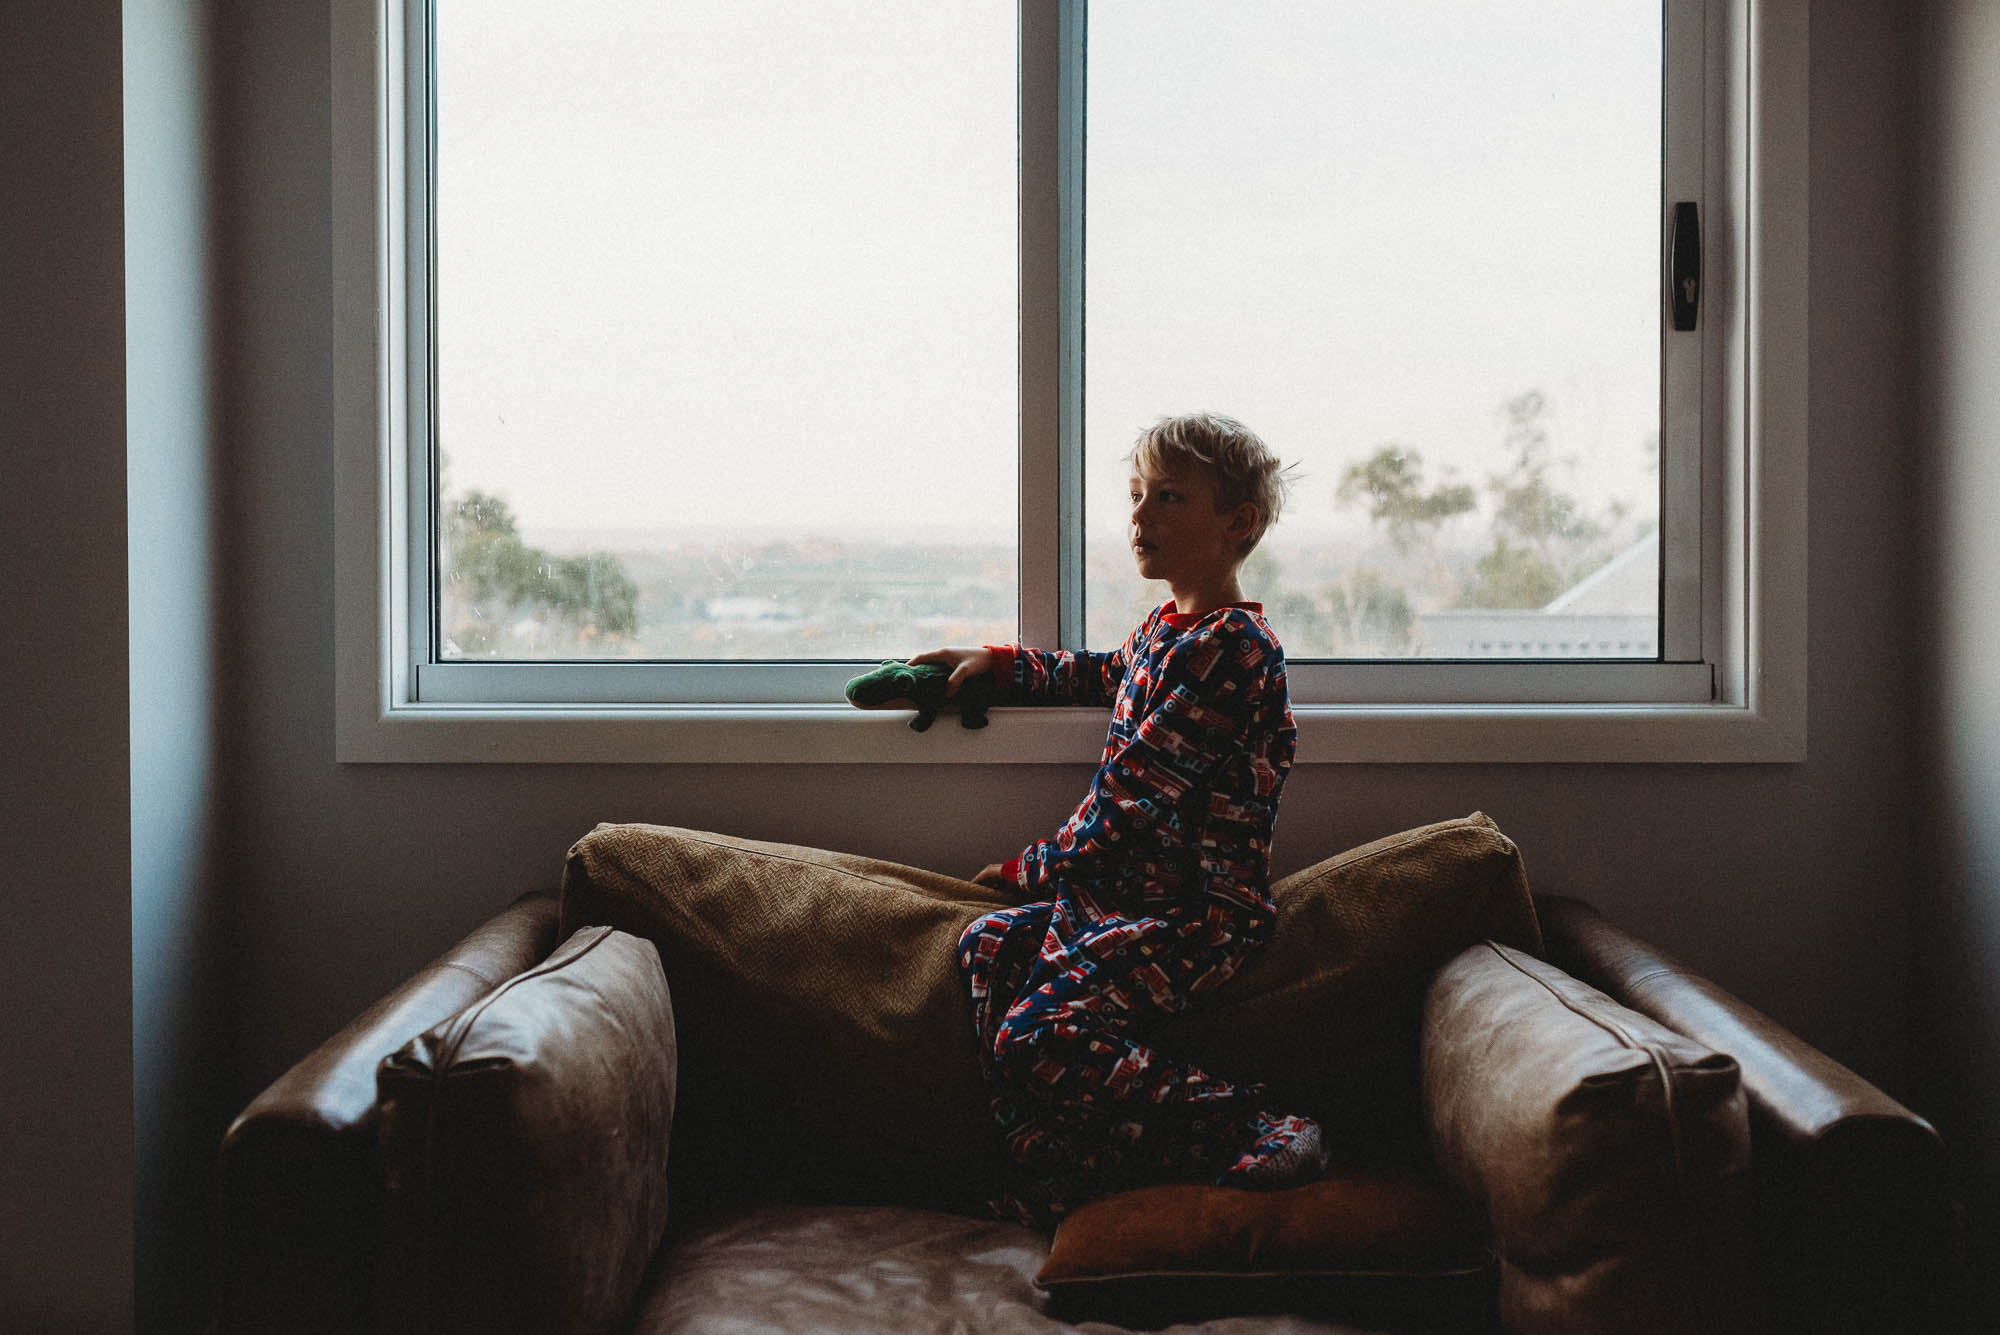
{"x":837,"y":734}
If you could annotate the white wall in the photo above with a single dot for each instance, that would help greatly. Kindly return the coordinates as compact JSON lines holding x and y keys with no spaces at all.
{"x":65,"y":829}
{"x":113,"y":956}
{"x":180,"y":1029}
{"x":1790,"y":884}
{"x":1787,"y":883}
{"x":1958,"y":973}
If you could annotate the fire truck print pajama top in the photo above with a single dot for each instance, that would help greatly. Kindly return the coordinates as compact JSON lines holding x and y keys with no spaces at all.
{"x":1151,"y":895}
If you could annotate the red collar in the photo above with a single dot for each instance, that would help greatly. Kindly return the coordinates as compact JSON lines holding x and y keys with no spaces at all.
{"x":1182,"y":620}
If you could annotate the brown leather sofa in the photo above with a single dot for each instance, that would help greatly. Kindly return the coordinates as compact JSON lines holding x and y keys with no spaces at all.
{"x":1851,"y":1222}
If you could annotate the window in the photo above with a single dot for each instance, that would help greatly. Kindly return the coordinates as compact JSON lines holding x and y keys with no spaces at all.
{"x":723,"y":334}
{"x":1421,"y":247}
{"x":588,"y":285}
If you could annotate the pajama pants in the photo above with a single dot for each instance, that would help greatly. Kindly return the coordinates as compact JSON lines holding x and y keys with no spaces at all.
{"x":1059,"y":1005}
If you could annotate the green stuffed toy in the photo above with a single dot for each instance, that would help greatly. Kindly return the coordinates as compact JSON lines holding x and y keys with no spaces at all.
{"x":897,"y":685}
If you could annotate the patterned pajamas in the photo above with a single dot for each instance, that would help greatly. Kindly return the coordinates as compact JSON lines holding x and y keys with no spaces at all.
{"x":1156,"y":894}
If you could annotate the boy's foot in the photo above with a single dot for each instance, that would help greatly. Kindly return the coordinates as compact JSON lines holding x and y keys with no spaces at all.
{"x":1288,"y":1152}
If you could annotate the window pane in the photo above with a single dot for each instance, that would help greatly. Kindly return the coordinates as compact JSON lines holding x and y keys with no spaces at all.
{"x":726,"y":332}
{"x":1414,"y":244}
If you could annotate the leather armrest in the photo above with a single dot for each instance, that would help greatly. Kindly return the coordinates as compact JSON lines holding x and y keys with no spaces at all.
{"x":524,"y":1148}
{"x":1611,"y":1155}
{"x":1859,"y":1226}
{"x":300,"y":1174}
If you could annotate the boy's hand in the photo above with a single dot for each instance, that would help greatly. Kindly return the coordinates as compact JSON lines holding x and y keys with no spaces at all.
{"x":993,"y":874}
{"x":962,"y":662}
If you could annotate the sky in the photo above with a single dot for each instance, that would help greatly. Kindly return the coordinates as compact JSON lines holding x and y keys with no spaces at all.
{"x":750,"y":265}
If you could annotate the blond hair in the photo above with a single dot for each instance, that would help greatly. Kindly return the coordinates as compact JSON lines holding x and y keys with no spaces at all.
{"x":1244,"y":467}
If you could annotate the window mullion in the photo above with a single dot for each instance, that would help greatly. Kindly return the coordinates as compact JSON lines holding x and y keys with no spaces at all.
{"x":1683,"y":409}
{"x":418,"y":333}
{"x":411,"y":208}
{"x":1070,"y":98}
{"x":1041,"y":370}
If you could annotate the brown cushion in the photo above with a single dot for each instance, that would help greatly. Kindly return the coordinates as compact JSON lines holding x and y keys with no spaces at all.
{"x":815,"y":990}
{"x":1610,"y":1154}
{"x":524,"y":1146}
{"x":1371,"y":1247}
{"x":1330,"y":1013}
{"x":822,"y":989}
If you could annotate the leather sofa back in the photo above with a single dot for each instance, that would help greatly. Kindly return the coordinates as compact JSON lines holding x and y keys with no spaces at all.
{"x":301,"y":1175}
{"x":1859,"y":1228}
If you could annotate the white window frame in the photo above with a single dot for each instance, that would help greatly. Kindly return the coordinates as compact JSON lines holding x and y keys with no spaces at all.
{"x":1737,"y":623}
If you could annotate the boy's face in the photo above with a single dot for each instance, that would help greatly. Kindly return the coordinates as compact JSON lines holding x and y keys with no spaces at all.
{"x":1174,"y":528}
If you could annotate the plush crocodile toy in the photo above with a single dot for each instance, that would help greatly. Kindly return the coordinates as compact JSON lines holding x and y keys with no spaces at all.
{"x":897,"y":685}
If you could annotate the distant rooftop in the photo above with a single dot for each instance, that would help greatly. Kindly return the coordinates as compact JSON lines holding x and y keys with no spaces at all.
{"x":1613,"y":613}
{"x":1628,"y":582}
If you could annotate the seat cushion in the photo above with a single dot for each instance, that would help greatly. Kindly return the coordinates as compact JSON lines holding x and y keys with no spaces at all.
{"x":777,"y":1269}
{"x":1398,"y":1249}
{"x":819,"y":992}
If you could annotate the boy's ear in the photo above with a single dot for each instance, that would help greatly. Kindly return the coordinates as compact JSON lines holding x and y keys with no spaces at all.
{"x":1243,"y":521}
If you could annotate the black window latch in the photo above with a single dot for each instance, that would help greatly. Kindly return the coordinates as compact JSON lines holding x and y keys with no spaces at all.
{"x":1685,"y":279}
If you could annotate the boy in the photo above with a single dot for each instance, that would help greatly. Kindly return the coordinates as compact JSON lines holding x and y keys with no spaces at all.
{"x":1156,"y":890}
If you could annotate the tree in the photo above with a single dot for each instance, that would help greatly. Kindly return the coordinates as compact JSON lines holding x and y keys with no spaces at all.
{"x":1371,"y":617}
{"x":1543,"y":542}
{"x":1392,"y":479}
{"x":1513,"y":576}
{"x":1530,"y":509}
{"x":1260,"y":574}
{"x":1300,"y":623}
{"x":490,"y":564}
